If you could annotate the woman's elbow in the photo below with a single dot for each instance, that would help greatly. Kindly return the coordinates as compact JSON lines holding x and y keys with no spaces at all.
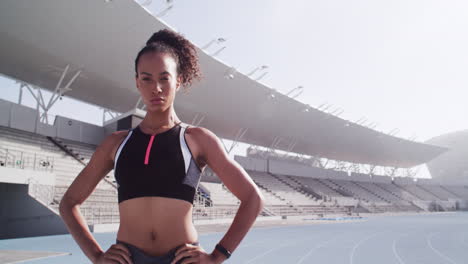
{"x":65,"y":206}
{"x":258,"y":200}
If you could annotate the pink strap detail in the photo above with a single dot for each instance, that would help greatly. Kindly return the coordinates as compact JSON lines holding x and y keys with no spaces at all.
{"x":148,"y":149}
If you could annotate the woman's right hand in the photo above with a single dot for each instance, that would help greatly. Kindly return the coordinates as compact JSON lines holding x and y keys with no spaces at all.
{"x":116,"y":254}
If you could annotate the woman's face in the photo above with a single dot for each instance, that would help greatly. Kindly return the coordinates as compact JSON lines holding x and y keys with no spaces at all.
{"x":157,"y":80}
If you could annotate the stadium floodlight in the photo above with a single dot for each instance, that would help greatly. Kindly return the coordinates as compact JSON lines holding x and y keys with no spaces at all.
{"x":263,"y":67}
{"x":216,"y":40}
{"x":271,"y":96}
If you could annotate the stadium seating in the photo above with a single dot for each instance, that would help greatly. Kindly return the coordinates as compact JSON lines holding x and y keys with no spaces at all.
{"x":284,"y":194}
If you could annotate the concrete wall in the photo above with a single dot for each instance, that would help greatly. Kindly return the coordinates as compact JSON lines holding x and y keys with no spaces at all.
{"x":46,"y":130}
{"x":287,"y":168}
{"x":21,"y":176}
{"x":25,"y":118}
{"x":23,"y":216}
{"x":252,"y":163}
{"x":75,"y":130}
{"x":427,"y":182}
{"x":381,"y":179}
{"x":403,"y":181}
{"x":5,"y":108}
{"x":359,"y":177}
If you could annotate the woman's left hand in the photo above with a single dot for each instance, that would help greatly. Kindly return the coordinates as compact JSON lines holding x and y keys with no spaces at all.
{"x":189,"y":254}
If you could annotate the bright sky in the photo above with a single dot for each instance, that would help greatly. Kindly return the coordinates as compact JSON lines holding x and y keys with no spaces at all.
{"x":401,"y":64}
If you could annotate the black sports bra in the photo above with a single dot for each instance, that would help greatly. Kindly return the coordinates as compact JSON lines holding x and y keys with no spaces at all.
{"x":156,"y":165}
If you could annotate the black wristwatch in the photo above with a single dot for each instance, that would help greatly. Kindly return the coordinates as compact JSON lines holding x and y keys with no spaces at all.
{"x":223,"y":250}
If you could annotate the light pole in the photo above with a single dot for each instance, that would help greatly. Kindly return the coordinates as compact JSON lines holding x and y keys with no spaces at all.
{"x":263,"y":67}
{"x":217,"y":40}
{"x":300,"y":89}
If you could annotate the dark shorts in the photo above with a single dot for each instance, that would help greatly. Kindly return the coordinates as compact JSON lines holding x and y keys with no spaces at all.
{"x":140,"y":257}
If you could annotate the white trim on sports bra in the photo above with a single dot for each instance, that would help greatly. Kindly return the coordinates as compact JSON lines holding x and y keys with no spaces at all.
{"x":117,"y":154}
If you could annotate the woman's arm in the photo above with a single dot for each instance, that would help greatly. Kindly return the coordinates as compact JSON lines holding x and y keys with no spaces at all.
{"x":84,"y":184}
{"x":238,"y":182}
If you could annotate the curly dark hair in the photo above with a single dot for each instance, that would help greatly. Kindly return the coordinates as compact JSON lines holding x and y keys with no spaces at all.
{"x":182,"y":50}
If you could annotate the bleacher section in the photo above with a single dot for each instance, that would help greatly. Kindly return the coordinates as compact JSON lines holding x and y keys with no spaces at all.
{"x":419,"y":192}
{"x":219,"y":194}
{"x":460,"y":191}
{"x":28,"y":147}
{"x":320,"y":193}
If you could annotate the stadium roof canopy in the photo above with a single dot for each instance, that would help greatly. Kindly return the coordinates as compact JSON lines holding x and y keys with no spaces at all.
{"x":102,"y":38}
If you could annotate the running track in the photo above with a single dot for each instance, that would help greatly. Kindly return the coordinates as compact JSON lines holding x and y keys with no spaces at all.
{"x":410,"y":239}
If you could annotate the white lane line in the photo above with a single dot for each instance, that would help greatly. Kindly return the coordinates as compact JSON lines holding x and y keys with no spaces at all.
{"x":274,"y":249}
{"x":351,"y":256}
{"x":315,"y":248}
{"x":400,"y":260}
{"x":428,"y":239}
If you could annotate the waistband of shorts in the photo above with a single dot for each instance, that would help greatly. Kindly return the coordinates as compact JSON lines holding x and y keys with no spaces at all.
{"x":169,"y":254}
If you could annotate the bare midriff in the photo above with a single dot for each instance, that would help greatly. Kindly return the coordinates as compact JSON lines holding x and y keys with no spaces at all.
{"x":156,"y":224}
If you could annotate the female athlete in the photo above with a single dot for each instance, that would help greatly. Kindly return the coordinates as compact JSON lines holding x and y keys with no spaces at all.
{"x":157,"y":166}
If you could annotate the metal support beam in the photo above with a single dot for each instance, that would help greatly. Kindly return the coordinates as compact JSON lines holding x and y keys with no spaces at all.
{"x":240,"y":133}
{"x":290,"y":147}
{"x":261,"y":76}
{"x":165,"y":11}
{"x":111,"y":113}
{"x":390,"y":171}
{"x":217,"y":40}
{"x":323,"y":162}
{"x":137,"y":105}
{"x":20,"y":97}
{"x":197,"y":119}
{"x":58,"y":93}
{"x":216,"y":53}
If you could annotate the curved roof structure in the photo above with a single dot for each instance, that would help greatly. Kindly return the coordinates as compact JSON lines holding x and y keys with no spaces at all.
{"x":102,"y":38}
{"x":451,"y":166}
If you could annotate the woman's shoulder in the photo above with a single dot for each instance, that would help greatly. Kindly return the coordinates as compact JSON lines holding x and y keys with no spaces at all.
{"x":198,"y":132}
{"x":117,"y":136}
{"x":112,"y":141}
{"x":204,"y":138}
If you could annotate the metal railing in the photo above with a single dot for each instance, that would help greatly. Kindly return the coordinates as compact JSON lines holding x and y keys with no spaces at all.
{"x":25,"y":160}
